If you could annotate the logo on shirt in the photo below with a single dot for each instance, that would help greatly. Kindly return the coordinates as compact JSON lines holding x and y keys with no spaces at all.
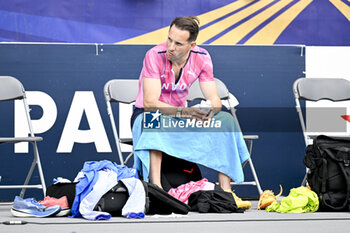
{"x":192,"y":73}
{"x":174,"y":86}
{"x":151,"y":120}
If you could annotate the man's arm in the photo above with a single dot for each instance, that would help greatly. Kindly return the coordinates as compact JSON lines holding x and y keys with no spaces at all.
{"x":151,"y":92}
{"x":210,"y":92}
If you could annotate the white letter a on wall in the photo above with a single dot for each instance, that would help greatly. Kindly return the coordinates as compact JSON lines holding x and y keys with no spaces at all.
{"x":83,"y":101}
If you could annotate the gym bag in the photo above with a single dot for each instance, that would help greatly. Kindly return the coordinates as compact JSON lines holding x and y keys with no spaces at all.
{"x":157,"y":200}
{"x":176,"y":172}
{"x":62,"y":189}
{"x":328,"y":159}
{"x":114,"y":200}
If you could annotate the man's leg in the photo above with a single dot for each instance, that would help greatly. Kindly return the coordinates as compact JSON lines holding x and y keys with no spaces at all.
{"x":224,"y":182}
{"x":155,"y":167}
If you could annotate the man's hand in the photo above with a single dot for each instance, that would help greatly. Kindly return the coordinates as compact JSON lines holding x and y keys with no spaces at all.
{"x":196,"y":113}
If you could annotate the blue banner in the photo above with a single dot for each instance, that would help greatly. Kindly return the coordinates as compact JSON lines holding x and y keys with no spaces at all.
{"x":226,"y":22}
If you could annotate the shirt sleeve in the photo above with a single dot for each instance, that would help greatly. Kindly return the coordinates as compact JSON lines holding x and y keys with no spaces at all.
{"x":151,"y":67}
{"x":207,"y":69}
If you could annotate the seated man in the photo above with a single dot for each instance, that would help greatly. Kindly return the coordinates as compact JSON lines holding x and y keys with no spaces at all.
{"x":169,"y":69}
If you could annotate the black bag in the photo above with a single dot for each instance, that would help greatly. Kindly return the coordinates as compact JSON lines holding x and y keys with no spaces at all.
{"x":329,"y":162}
{"x":176,"y":172}
{"x":114,"y":200}
{"x":62,"y":189}
{"x":160,"y":202}
{"x":157,"y":200}
{"x":213,"y":201}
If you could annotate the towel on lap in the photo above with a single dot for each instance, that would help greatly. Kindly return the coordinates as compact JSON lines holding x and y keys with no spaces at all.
{"x":223,"y":149}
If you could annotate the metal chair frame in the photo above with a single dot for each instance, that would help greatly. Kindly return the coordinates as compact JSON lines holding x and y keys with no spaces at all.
{"x":12,"y":89}
{"x":229,"y":101}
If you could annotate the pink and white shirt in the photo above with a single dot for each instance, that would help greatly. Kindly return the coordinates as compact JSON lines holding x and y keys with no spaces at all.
{"x":156,"y":65}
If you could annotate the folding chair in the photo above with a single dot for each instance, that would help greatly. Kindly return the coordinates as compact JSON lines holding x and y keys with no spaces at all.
{"x":11,"y":89}
{"x":316,"y":89}
{"x":229,"y":101}
{"x":120,"y":91}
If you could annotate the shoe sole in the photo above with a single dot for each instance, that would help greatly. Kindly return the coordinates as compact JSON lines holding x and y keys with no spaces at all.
{"x":24,"y":213}
{"x":244,"y":207}
{"x":63,"y":213}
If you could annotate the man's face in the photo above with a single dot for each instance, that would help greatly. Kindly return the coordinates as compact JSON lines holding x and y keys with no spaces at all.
{"x":178,"y":45}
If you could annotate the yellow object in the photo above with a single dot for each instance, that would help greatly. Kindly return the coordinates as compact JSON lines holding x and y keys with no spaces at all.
{"x":299,"y":200}
{"x":267,"y":198}
{"x":239,"y":202}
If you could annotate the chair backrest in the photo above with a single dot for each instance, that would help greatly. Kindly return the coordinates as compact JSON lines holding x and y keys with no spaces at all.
{"x":195,"y":92}
{"x":315,"y":89}
{"x":121,"y":90}
{"x":10,"y":88}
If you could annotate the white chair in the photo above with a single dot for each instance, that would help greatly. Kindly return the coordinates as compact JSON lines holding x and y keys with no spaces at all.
{"x":314,"y":90}
{"x":120,"y":91}
{"x":11,"y":89}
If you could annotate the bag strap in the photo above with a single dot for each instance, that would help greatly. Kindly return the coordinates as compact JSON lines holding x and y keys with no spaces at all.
{"x":324,"y":175}
{"x":323,"y":138}
{"x":144,"y":183}
{"x":347,"y":184}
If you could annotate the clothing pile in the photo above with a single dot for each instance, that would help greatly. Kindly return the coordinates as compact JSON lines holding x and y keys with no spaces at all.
{"x":206,"y":197}
{"x":103,"y":189}
{"x":91,"y":183}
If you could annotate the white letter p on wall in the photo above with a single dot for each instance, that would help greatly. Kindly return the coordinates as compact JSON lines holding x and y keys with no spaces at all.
{"x":39,"y":125}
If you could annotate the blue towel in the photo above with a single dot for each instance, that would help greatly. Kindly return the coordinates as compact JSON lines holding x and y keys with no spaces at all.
{"x":223,"y":150}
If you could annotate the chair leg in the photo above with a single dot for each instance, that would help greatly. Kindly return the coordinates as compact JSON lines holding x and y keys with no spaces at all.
{"x":255,"y":177}
{"x":36,"y":161}
{"x":250,"y":148}
{"x":40,"y":169}
{"x":29,"y":175}
{"x":128,"y":157}
{"x":304,"y":182}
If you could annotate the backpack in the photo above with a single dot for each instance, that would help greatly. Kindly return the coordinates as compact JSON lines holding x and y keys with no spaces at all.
{"x":328,"y":159}
{"x":176,"y":172}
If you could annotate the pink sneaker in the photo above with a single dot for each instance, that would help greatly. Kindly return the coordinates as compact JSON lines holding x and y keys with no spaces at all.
{"x":63,"y":202}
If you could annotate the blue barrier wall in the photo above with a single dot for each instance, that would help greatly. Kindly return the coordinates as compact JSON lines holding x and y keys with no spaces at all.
{"x":261,"y":78}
